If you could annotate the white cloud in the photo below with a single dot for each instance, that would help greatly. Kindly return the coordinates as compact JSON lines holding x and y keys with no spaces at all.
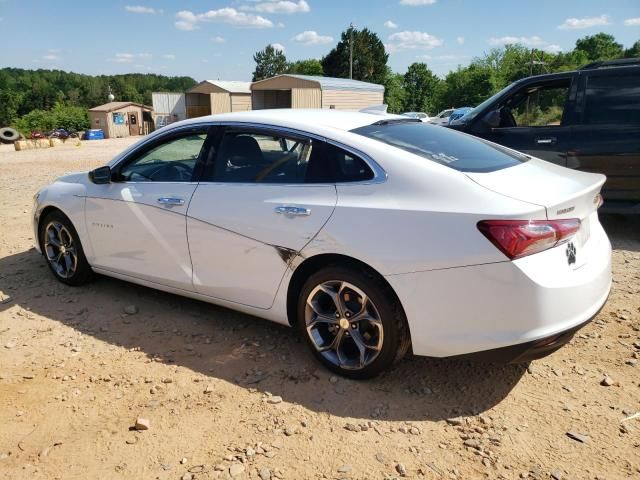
{"x":218,"y":39}
{"x":587,"y":22}
{"x":412,"y":40}
{"x":629,"y":22}
{"x":415,"y":3}
{"x":278,"y":46}
{"x":187,"y":20}
{"x":460,"y":40}
{"x":552,"y":48}
{"x":278,"y":6}
{"x":51,"y":56}
{"x":169,"y":56}
{"x":309,"y":37}
{"x":123,"y":58}
{"x":533,"y":41}
{"x":390,"y":24}
{"x":141,"y":9}
{"x":128,"y":57}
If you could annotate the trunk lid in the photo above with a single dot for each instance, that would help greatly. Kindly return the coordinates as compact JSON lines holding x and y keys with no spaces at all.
{"x":564,"y":193}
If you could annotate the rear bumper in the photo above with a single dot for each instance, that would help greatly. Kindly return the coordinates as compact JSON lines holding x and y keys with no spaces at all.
{"x":531,"y":305}
{"x":526,"y":352}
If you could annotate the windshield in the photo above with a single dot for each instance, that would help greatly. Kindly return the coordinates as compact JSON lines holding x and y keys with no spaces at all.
{"x":480,"y":108}
{"x":444,"y":146}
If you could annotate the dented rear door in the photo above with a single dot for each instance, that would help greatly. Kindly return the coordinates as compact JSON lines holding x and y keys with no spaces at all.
{"x":243,"y":235}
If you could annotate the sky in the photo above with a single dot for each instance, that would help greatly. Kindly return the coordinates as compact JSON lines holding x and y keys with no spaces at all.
{"x":216,"y":39}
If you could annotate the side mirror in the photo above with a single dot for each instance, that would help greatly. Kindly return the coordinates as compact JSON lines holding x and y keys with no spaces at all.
{"x":492,"y":119}
{"x":100,"y":175}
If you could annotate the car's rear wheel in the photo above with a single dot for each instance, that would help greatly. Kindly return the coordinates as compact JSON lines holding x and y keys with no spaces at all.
{"x":62,"y":248}
{"x":352,"y":321}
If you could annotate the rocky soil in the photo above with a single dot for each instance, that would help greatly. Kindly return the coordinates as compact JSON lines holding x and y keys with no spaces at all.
{"x":119,"y":381}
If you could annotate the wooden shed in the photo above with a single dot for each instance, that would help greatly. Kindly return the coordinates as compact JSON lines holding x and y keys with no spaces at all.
{"x":217,"y":96}
{"x":306,"y":91}
{"x":122,"y":119}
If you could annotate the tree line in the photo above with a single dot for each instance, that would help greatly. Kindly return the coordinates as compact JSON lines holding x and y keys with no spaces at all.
{"x":419,"y":89}
{"x":38,"y":92}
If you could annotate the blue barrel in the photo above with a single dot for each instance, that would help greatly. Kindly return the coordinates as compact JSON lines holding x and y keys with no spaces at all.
{"x":94,"y":134}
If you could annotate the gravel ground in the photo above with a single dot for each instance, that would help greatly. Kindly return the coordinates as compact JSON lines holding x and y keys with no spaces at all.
{"x":227,"y":395}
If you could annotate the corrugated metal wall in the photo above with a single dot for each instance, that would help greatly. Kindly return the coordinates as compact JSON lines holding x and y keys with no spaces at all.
{"x":306,"y":98}
{"x":220,"y":102}
{"x":240,"y":102}
{"x":168,"y":107}
{"x":350,"y":100}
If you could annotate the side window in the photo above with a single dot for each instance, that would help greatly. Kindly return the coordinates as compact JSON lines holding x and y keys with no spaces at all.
{"x":250,"y":157}
{"x":612,"y":99}
{"x":536,"y":106}
{"x":171,"y":161}
{"x":331,"y":164}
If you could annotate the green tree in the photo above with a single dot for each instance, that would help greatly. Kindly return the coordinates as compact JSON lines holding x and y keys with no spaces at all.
{"x":269,"y":62}
{"x":310,"y":66}
{"x":9,"y":104}
{"x":420,"y":85}
{"x":633,"y":51}
{"x":394,"y":93}
{"x":600,"y":46}
{"x":369,"y":57}
{"x":465,"y":87}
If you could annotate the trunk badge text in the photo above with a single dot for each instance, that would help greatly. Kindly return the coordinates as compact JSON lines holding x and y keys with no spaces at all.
{"x":565,"y":210}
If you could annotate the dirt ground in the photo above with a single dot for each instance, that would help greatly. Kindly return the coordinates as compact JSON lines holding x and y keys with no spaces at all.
{"x":228,"y":395}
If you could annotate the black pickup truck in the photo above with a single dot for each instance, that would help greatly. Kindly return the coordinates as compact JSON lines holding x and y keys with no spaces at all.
{"x":588,"y":119}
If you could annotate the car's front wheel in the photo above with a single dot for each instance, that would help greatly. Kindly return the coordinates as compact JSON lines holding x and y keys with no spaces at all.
{"x":352,"y":321}
{"x":62,"y":248}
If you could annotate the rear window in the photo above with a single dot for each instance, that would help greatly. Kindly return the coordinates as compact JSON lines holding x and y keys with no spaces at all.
{"x":443,"y":145}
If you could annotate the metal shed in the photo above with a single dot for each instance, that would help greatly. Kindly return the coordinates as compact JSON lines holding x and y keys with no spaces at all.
{"x":168,"y":107}
{"x":217,"y":96}
{"x":122,"y":119}
{"x":306,"y":91}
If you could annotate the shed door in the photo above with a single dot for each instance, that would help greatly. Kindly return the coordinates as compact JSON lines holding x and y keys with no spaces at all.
{"x":134,"y":124}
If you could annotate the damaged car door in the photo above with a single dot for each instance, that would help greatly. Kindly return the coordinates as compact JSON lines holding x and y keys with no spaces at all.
{"x":252,"y":212}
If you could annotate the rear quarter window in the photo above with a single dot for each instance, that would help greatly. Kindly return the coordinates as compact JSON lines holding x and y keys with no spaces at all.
{"x":612,"y":99}
{"x":444,"y":146}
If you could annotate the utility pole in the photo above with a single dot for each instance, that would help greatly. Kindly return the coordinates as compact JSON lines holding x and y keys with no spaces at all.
{"x":351,"y":50}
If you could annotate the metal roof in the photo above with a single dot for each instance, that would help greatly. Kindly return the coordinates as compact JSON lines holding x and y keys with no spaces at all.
{"x":231,"y":86}
{"x":332,"y":83}
{"x":111,"y":106}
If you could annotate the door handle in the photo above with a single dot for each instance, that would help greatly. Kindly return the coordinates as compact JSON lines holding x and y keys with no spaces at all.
{"x":171,"y":201}
{"x":292,"y":211}
{"x":546,"y":140}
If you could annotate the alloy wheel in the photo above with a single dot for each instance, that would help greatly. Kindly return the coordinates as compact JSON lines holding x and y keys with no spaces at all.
{"x":60,"y":249}
{"x":343,"y":324}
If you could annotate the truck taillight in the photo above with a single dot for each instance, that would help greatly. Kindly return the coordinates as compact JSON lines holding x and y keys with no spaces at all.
{"x":519,"y":238}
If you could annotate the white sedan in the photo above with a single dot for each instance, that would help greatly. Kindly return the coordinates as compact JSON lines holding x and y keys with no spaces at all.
{"x":370,"y":234}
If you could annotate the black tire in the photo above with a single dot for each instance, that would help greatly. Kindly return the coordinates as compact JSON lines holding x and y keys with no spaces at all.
{"x":82,"y":273}
{"x":396,"y":339}
{"x":8,"y":135}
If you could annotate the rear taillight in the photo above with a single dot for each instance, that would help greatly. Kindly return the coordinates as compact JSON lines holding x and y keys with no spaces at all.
{"x":519,"y":238}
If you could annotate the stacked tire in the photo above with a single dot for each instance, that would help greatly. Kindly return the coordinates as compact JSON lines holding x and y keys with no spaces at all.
{"x":8,"y":135}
